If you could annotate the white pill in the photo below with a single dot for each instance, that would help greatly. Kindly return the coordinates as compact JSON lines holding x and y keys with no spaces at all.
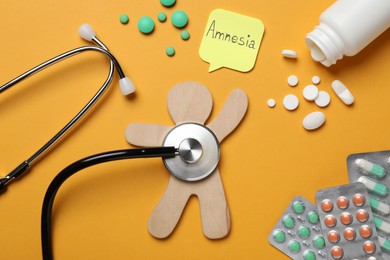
{"x":323,"y":99}
{"x":313,"y":120}
{"x":310,"y":92}
{"x":292,"y":80}
{"x":342,"y":92}
{"x":271,"y":102}
{"x":289,"y":54}
{"x":316,"y":80}
{"x":290,"y":102}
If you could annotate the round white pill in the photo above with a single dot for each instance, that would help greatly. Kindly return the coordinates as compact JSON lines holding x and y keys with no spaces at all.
{"x":289,"y":54}
{"x":313,"y":120}
{"x":323,"y":99}
{"x":316,"y":80}
{"x":310,"y":92}
{"x":292,"y":80}
{"x":271,"y":102}
{"x":290,"y":102}
{"x":342,"y":92}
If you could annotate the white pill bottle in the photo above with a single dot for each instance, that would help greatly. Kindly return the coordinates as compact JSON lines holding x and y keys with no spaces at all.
{"x":346,"y":27}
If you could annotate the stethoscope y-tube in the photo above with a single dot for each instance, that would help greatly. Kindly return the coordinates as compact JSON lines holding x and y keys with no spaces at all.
{"x":47,"y":250}
{"x":126,"y":86}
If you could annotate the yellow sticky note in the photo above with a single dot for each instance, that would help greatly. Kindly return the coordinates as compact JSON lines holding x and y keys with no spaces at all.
{"x":231,"y":40}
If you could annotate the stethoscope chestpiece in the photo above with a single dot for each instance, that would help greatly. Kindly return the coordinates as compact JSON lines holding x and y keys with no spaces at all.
{"x":198,"y":149}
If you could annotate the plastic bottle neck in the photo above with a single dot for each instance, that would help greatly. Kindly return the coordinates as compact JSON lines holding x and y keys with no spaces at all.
{"x":325,"y":45}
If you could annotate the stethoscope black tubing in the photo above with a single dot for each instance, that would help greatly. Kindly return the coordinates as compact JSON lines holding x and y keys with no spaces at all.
{"x":47,"y":250}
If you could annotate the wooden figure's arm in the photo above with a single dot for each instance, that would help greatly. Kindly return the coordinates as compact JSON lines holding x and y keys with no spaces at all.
{"x":146,"y":135}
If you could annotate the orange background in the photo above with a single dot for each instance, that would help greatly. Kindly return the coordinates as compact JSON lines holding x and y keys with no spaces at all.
{"x":102,"y":212}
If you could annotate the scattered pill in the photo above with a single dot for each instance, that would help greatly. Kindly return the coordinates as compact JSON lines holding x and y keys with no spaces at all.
{"x":313,"y":217}
{"x":289,"y":54}
{"x":342,"y":92}
{"x":167,"y":3}
{"x":316,"y":80}
{"x":374,"y":187}
{"x":333,"y":237}
{"x":304,"y":231}
{"x":124,"y":19}
{"x":313,"y":120}
{"x":309,"y":255}
{"x":359,"y":200}
{"x":294,"y":246}
{"x":342,"y":202}
{"x":382,"y":225}
{"x":323,"y":99}
{"x":337,"y":252}
{"x":170,"y":51}
{"x":379,"y":207}
{"x":146,"y":25}
{"x":290,"y":102}
{"x":370,"y":168}
{"x":362,"y":215}
{"x":349,"y":234}
{"x":319,"y":242}
{"x":369,"y":247}
{"x":292,"y":80}
{"x":326,"y":205}
{"x":162,"y":17}
{"x":298,"y":207}
{"x":346,"y":218}
{"x":288,"y":221}
{"x":179,"y":19}
{"x":271,"y":102}
{"x":279,"y":236}
{"x":185,"y":35}
{"x":310,"y":92}
{"x":365,"y":231}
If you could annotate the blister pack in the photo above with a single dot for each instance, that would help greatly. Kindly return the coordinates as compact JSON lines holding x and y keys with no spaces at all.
{"x":347,"y":222}
{"x":298,"y":232}
{"x":372,"y":169}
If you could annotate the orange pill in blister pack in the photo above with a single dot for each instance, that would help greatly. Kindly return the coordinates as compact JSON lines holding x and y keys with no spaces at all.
{"x":337,"y":252}
{"x":362,"y":215}
{"x":333,"y":237}
{"x":326,"y":205}
{"x":346,"y":218}
{"x":359,"y":200}
{"x":330,"y":221}
{"x":369,"y":247}
{"x":349,"y":234}
{"x":365,"y":231}
{"x":342,"y":202}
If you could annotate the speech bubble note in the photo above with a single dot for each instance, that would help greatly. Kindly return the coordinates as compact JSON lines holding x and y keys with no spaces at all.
{"x":231,"y":40}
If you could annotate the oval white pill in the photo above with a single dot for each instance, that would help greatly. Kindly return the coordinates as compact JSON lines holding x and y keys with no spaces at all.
{"x":290,"y":102}
{"x":323,"y":99}
{"x":292,"y":80}
{"x":289,"y":54}
{"x":316,"y":80}
{"x":342,"y":92}
{"x":271,"y":102}
{"x":313,"y":120}
{"x":310,"y":92}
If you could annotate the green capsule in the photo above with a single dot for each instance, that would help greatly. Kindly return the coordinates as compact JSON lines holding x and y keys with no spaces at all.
{"x":309,"y":255}
{"x":288,"y":221}
{"x":294,"y":246}
{"x":319,"y":242}
{"x":374,"y":187}
{"x":279,"y":236}
{"x":313,"y":217}
{"x":304,"y":231}
{"x":298,"y":207}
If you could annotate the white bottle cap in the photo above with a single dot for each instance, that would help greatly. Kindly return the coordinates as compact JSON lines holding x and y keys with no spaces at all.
{"x":126,"y":86}
{"x":86,"y":32}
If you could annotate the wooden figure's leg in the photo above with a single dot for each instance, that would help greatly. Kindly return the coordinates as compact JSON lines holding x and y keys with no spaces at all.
{"x":213,"y":207}
{"x":168,"y":211}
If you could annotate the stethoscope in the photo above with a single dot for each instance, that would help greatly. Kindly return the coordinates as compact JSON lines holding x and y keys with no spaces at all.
{"x":126,"y":86}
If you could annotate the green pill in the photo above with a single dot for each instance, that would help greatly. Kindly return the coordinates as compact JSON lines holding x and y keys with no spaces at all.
{"x":185,"y":35}
{"x":304,"y":232}
{"x":179,"y":19}
{"x":124,"y":19}
{"x":162,"y":17}
{"x":167,"y":3}
{"x":279,"y":236}
{"x":313,"y":217}
{"x":288,"y":221}
{"x":309,"y":255}
{"x":146,"y":25}
{"x":170,"y":51}
{"x":294,"y":246}
{"x":298,"y":207}
{"x":319,"y":242}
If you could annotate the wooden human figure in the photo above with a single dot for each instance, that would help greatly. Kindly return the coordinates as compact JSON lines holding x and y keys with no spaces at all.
{"x":192,"y":102}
